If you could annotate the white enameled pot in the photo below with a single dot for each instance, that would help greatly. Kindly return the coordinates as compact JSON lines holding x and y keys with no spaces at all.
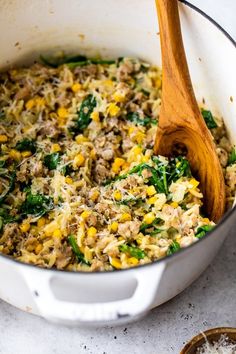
{"x":114,"y":28}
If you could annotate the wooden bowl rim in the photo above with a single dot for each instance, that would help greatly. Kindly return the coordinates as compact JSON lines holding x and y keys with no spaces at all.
{"x":194,"y":342}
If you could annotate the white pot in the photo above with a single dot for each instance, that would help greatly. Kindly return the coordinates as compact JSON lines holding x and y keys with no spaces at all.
{"x":115,"y":28}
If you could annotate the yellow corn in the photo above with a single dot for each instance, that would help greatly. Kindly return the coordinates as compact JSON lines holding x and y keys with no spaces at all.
{"x":125,"y":217}
{"x":26,"y":154}
{"x":113,"y":109}
{"x":149,"y":218}
{"x":139,"y":137}
{"x":114,"y":226}
{"x":94,"y":195}
{"x":78,"y":161}
{"x":57,"y":233}
{"x":118,"y":97}
{"x":25,"y":226}
{"x":206,"y":220}
{"x":151,"y":191}
{"x":131,"y":130}
{"x":93,"y":154}
{"x":30,"y":104}
{"x":76,"y":87}
{"x":108,"y":83}
{"x":117,"y":195}
{"x":38,"y":248}
{"x":117,"y":164}
{"x":41,"y":222}
{"x":92,"y":231}
{"x":174,"y":205}
{"x":3,"y":138}
{"x":133,"y":261}
{"x":81,"y":139}
{"x":55,"y":148}
{"x":69,"y":180}
{"x":50,"y":228}
{"x":158,"y":83}
{"x":152,"y":200}
{"x":14,"y":154}
{"x":194,"y":183}
{"x":62,"y":112}
{"x":95,"y":116}
{"x":85,"y":214}
{"x":115,"y":262}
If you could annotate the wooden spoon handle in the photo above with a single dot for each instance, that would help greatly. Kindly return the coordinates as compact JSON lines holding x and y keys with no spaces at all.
{"x":177,"y":86}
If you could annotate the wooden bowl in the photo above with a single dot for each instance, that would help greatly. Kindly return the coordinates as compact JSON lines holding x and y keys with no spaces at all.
{"x":212,"y":335}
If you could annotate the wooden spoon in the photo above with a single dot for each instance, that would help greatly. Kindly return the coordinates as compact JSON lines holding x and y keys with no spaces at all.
{"x":180,"y":122}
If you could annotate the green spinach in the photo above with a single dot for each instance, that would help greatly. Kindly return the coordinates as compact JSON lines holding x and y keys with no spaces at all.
{"x":232,"y":157}
{"x":202,"y":230}
{"x":51,"y":161}
{"x":76,"y":250}
{"x":36,"y":204}
{"x":26,"y":145}
{"x":174,"y":247}
{"x":132,"y":251}
{"x":83,"y":120}
{"x":135,"y":118}
{"x":209,"y":119}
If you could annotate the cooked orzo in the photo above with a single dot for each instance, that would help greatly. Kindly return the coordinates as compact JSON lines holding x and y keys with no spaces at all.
{"x":80,"y":186}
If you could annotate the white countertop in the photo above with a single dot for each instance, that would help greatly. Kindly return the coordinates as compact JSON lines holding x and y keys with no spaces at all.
{"x":209,"y":302}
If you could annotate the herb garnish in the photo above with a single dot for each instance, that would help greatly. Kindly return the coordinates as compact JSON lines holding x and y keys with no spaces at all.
{"x":73,"y":61}
{"x":26,"y":145}
{"x":202,"y":230}
{"x":174,"y":247}
{"x":132,"y":251}
{"x":135,"y":118}
{"x":51,"y":161}
{"x":232,"y":157}
{"x":36,"y":204}
{"x":76,"y":250}
{"x":83,"y":120}
{"x":208,"y":117}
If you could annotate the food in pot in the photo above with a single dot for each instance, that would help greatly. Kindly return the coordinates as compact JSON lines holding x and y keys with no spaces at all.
{"x":80,"y":186}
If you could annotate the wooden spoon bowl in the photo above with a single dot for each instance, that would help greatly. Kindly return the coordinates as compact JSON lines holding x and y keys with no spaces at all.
{"x":180,"y":121}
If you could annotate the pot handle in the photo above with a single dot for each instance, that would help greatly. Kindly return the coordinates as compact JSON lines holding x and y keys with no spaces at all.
{"x":67,"y":312}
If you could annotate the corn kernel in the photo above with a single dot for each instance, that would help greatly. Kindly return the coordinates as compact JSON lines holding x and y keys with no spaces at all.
{"x":125,"y":217}
{"x":3,"y":138}
{"x":26,"y":154}
{"x":50,"y":228}
{"x":55,"y":148}
{"x":131,"y":130}
{"x":30,"y":104}
{"x":149,"y":218}
{"x":158,"y":83}
{"x":94,"y":195}
{"x":139,"y":137}
{"x":133,"y":261}
{"x":117,"y":164}
{"x":62,"y":112}
{"x":41,"y":222}
{"x":69,"y":180}
{"x":194,"y":183}
{"x":113,"y":109}
{"x":40,"y":101}
{"x":108,"y":83}
{"x":14,"y":154}
{"x":76,"y":87}
{"x":92,"y":231}
{"x":206,"y":220}
{"x":151,"y":191}
{"x":38,"y":248}
{"x":57,"y":233}
{"x":81,"y":139}
{"x":174,"y":205}
{"x":85,"y":214}
{"x":152,"y":200}
{"x":120,"y":238}
{"x":117,"y":195}
{"x":93,"y":154}
{"x":25,"y":226}
{"x":114,"y":226}
{"x":95,"y":116}
{"x":78,"y":161}
{"x":118,"y":97}
{"x":115,"y":262}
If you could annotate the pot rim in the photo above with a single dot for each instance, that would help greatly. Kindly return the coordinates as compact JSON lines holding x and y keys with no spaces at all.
{"x":227,"y":216}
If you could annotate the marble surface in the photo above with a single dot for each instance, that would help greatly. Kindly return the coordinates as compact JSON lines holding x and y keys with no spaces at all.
{"x":209,"y":302}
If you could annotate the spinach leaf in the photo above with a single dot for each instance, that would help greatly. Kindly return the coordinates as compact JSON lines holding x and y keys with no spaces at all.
{"x":6,"y":218}
{"x":135,"y":118}
{"x":55,"y":62}
{"x":150,"y":228}
{"x":202,"y":230}
{"x":66,"y":170}
{"x":83,"y":120}
{"x":232,"y":157}
{"x":208,"y":117}
{"x":51,"y":161}
{"x":131,"y":201}
{"x":174,"y":247}
{"x":2,"y":114}
{"x":76,"y":250}
{"x":36,"y":204}
{"x":26,"y":145}
{"x":10,"y":188}
{"x":178,"y":167}
{"x":132,"y":251}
